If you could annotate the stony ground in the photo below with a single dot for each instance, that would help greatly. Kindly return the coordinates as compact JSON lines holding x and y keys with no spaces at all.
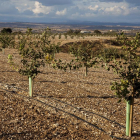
{"x":65,"y":105}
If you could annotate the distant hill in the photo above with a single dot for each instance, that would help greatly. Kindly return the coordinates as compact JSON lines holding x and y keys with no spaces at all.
{"x":73,"y":25}
{"x":102,"y":23}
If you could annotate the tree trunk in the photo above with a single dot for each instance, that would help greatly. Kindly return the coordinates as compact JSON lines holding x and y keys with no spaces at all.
{"x":3,"y":50}
{"x":86,"y":71}
{"x":131,"y":115}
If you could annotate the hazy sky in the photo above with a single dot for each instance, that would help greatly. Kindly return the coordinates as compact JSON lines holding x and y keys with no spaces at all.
{"x":65,"y":10}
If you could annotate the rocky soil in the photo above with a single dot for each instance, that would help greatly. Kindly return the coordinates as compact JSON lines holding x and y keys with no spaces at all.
{"x":65,"y":105}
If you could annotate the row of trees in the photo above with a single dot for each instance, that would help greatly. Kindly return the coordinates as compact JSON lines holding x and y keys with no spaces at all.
{"x":127,"y":65}
{"x":69,"y":32}
{"x":96,"y":32}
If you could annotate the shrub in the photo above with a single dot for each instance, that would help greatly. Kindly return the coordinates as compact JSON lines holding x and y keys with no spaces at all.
{"x":97,"y":32}
{"x":6,"y":30}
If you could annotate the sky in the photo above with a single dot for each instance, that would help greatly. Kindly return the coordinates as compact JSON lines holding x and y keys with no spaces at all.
{"x":51,"y":11}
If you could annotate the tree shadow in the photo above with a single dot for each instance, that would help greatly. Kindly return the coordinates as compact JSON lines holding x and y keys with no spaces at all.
{"x":90,"y":83}
{"x":60,"y":97}
{"x":46,"y":73}
{"x":8,"y":134}
{"x":4,"y":135}
{"x":104,"y":97}
{"x":92,"y":92}
{"x":12,"y":91}
{"x":9,"y":71}
{"x":101,"y":72}
{"x":136,"y":134}
{"x":88,"y":96}
{"x":47,"y":81}
{"x":25,"y":80}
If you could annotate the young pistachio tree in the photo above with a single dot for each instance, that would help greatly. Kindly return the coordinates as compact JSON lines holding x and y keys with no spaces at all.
{"x":85,"y":53}
{"x":128,"y":69}
{"x":33,"y":54}
{"x":7,"y":41}
{"x":48,"y":48}
{"x":60,"y":36}
{"x":29,"y":31}
{"x":31,"y":60}
{"x":45,"y":36}
{"x":121,"y":39}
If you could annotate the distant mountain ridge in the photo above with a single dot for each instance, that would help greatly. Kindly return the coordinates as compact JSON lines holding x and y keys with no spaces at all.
{"x":73,"y":25}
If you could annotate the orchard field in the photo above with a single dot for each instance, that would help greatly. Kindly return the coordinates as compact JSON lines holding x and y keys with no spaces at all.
{"x":65,"y":105}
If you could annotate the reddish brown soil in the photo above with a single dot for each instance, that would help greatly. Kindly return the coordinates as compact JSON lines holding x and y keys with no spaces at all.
{"x":64,"y":106}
